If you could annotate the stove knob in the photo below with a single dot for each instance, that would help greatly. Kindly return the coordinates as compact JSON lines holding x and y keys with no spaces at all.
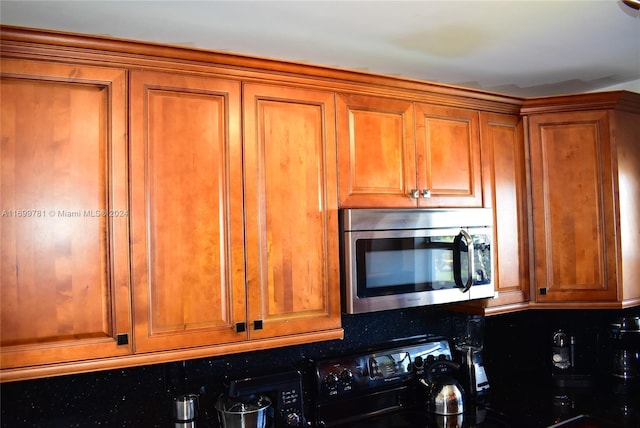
{"x":331,"y":381}
{"x":293,"y":419}
{"x":418,"y":362}
{"x":346,"y":376}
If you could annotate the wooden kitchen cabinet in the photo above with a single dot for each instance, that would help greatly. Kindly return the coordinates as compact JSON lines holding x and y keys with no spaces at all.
{"x":186,"y":211}
{"x":188,"y":200}
{"x":182,"y":241}
{"x":448,"y":156}
{"x":64,"y":276}
{"x":194,"y":219}
{"x":585,"y":178}
{"x":293,"y":280}
{"x":401,"y":154}
{"x":505,"y":190}
{"x":376,"y":152}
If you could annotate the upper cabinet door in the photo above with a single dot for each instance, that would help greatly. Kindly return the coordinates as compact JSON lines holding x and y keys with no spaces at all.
{"x":505,"y":190}
{"x":448,"y":157}
{"x":573,"y":209}
{"x":291,"y":211}
{"x":376,"y":152}
{"x":64,"y":273}
{"x":186,"y":211}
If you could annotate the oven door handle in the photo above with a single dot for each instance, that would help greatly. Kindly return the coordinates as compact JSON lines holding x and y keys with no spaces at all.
{"x":457,"y":264}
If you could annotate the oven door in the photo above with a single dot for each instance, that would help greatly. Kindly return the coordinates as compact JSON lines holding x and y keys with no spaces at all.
{"x":402,"y":268}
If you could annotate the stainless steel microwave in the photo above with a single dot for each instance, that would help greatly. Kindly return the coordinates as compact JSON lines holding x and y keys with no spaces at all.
{"x":394,"y":259}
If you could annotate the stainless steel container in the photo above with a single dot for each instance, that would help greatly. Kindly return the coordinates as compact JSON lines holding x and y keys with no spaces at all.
{"x":243,"y":412}
{"x":185,"y":407}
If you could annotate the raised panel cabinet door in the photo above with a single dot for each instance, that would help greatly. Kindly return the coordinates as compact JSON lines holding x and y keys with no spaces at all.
{"x":64,"y":242}
{"x":504,"y":171}
{"x":291,"y":211}
{"x":448,"y":156}
{"x":376,"y":152}
{"x":572,"y":205}
{"x":186,"y":211}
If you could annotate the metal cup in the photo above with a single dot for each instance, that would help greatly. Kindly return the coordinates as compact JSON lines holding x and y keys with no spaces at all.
{"x":185,"y":407}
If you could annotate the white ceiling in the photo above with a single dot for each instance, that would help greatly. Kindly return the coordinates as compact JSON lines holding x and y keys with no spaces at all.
{"x":522,"y":48}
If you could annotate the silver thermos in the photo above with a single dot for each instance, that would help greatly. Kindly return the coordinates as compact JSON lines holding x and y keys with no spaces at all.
{"x":185,"y":410}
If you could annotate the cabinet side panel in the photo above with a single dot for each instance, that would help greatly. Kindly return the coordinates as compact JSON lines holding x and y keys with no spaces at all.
{"x":627,"y":140}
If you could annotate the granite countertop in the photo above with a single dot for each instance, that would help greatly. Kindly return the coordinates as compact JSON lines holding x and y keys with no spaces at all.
{"x":537,"y":404}
{"x":532,"y":403}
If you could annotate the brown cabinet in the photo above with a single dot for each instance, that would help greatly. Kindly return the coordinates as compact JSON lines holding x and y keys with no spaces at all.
{"x":186,"y":211}
{"x":65,"y":271}
{"x":585,"y":177}
{"x":196,"y":226}
{"x":396,"y":153}
{"x":448,"y":157}
{"x":376,"y":152}
{"x":293,"y":280}
{"x":504,"y":170}
{"x":184,"y":240}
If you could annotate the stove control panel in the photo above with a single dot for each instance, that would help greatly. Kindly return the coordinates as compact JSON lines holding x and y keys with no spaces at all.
{"x":343,"y":376}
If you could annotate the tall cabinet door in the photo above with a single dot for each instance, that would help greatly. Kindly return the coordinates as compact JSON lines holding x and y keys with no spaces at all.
{"x":504,"y":171}
{"x":64,"y":267}
{"x":291,"y":211}
{"x":186,"y":211}
{"x":448,"y":156}
{"x":573,"y":209}
{"x":376,"y":152}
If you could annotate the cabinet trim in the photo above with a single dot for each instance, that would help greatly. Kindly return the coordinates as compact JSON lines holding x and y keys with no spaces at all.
{"x":76,"y":367}
{"x":618,"y":100}
{"x":121,"y":52}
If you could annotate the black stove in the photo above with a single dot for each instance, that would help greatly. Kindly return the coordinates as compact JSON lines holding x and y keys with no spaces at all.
{"x":380,"y":388}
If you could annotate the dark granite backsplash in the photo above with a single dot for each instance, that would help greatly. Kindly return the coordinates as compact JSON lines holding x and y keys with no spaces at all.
{"x":109,"y":398}
{"x":517,"y":347}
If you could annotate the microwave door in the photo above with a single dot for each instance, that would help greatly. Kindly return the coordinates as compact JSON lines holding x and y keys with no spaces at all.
{"x":458,"y":249}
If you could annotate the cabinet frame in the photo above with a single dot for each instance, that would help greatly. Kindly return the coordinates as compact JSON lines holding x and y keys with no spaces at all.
{"x":277,"y":304}
{"x":115,"y":338}
{"x":79,"y":51}
{"x":607,"y":125}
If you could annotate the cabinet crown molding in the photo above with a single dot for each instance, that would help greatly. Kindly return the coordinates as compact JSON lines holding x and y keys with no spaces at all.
{"x":619,"y":100}
{"x":134,"y":53}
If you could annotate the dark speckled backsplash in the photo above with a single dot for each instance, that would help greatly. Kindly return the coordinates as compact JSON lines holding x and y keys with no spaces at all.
{"x":139,"y":396}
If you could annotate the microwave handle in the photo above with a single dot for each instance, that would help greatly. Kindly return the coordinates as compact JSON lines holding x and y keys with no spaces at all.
{"x":457,"y":266}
